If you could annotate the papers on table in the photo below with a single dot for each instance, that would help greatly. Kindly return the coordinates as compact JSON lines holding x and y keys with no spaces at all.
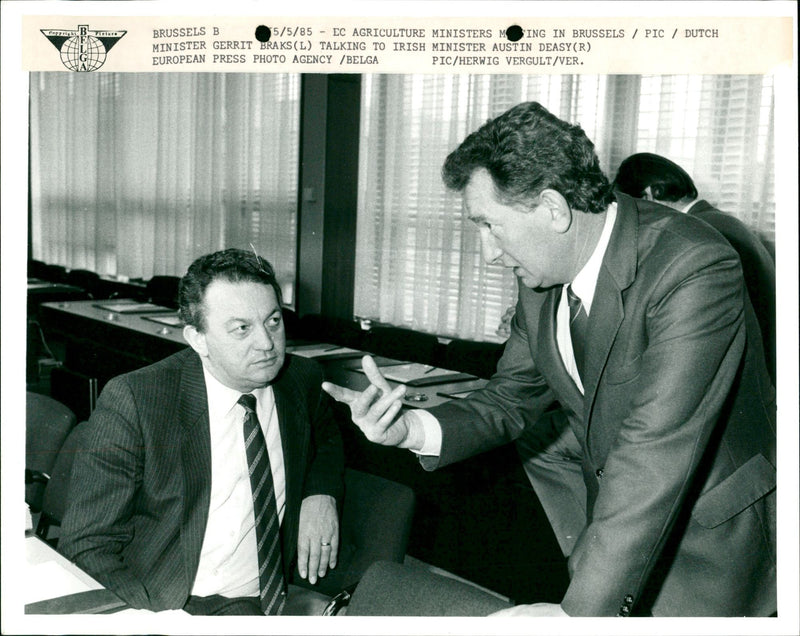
{"x":171,"y":320}
{"x":418,"y":374}
{"x":132,"y":307}
{"x":324,"y":351}
{"x":50,"y":580}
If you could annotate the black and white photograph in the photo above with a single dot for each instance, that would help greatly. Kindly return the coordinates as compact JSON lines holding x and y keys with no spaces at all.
{"x":400,"y":318}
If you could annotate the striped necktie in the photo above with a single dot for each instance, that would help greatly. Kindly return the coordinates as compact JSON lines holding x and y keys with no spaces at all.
{"x":270,"y":562}
{"x":577,"y":328}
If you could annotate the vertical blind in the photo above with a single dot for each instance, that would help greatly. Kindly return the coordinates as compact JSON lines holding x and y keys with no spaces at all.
{"x":140,"y":173}
{"x":418,"y":264}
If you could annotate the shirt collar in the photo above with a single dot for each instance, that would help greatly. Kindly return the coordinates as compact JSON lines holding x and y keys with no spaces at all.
{"x":689,"y":206}
{"x":585,"y":282}
{"x":222,"y":398}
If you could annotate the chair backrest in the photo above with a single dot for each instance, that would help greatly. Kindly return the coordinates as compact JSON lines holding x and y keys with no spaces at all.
{"x":37,"y":269}
{"x":291,"y":323}
{"x":338,"y":331}
{"x":402,"y":344}
{"x":77,"y":390}
{"x":375,"y":526}
{"x":47,"y":424}
{"x":85,"y":279}
{"x":54,"y":273}
{"x":163,"y":290}
{"x":56,"y":494}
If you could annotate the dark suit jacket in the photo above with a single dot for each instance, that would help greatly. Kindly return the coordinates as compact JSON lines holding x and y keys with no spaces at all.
{"x":677,"y":425}
{"x":139,"y":494}
{"x":758,"y":268}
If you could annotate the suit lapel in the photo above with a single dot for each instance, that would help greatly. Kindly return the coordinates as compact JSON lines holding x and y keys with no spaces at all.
{"x":195,"y":462}
{"x":617,"y":272}
{"x":293,"y":434}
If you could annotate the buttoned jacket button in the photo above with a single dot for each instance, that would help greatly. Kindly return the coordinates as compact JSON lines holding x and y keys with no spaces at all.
{"x":599,"y":473}
{"x":628,"y":599}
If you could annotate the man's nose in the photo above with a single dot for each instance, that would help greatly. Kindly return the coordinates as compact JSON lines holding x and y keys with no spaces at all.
{"x":264,"y":339}
{"x":490,"y":250}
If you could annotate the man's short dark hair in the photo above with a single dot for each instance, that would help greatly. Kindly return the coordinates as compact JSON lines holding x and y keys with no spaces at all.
{"x":526,"y":150}
{"x":666,"y":179}
{"x":233,"y":265}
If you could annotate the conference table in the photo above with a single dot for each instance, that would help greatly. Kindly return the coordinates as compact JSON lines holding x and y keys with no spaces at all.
{"x":426,"y":385}
{"x":106,"y":338}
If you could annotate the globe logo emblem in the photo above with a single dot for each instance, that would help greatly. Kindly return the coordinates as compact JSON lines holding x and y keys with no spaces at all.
{"x":83,"y":49}
{"x":83,"y":53}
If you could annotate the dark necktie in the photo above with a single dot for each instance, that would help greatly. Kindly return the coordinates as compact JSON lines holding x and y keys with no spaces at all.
{"x":265,"y":509}
{"x":577,"y":328}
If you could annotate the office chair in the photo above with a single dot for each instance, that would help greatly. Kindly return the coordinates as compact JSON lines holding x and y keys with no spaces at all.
{"x":56,"y":493}
{"x":468,"y":356}
{"x":54,"y":273}
{"x":163,"y":290}
{"x":47,"y":424}
{"x":291,"y":324}
{"x":87,"y":280}
{"x":77,"y":390}
{"x":395,"y":589}
{"x":375,"y":526}
{"x":402,"y":344}
{"x":37,"y":269}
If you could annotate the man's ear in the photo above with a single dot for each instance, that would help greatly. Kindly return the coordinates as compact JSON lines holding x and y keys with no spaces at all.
{"x":558,"y":209}
{"x":196,"y":340}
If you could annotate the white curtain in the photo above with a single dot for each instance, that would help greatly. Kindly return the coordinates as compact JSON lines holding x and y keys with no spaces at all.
{"x":138,"y":174}
{"x":418,"y":264}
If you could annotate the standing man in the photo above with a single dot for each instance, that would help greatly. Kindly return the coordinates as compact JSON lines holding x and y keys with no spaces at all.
{"x":210,"y":475}
{"x":633,"y":318}
{"x":656,"y":178}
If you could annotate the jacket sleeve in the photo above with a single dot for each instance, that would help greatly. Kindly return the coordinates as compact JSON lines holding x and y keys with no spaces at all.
{"x":515,"y":397}
{"x":98,"y":524}
{"x":325,"y":474}
{"x":666,"y":410}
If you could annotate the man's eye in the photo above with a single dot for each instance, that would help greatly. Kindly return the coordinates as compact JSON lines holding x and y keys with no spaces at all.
{"x":274,"y":321}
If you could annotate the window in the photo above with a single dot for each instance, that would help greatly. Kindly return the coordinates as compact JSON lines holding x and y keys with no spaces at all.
{"x":140,"y":173}
{"x":419,"y":265}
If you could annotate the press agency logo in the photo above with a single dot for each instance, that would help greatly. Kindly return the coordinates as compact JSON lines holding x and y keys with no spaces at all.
{"x":82,"y":50}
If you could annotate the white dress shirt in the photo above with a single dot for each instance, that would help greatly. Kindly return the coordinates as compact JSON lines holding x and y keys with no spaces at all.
{"x":583,"y":286}
{"x":229,"y":560}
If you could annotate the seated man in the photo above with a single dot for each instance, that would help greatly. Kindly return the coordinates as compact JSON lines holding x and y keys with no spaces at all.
{"x":656,"y":178}
{"x":208,"y":475}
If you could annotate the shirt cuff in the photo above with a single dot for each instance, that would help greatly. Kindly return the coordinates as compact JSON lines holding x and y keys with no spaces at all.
{"x":433,"y":432}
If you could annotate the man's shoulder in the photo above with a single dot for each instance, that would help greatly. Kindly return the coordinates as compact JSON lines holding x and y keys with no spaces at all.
{"x":674,"y":232}
{"x":726,"y":224}
{"x":160,"y":372}
{"x":302,"y":370}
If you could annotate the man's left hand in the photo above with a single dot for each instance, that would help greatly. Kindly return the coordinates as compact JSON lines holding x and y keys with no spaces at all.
{"x":537,"y":609}
{"x":318,"y":536}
